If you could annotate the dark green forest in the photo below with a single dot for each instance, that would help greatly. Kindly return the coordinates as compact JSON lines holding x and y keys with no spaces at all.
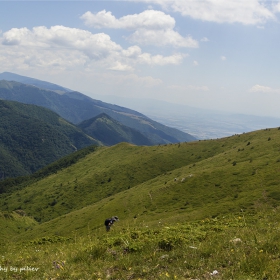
{"x":32,"y":137}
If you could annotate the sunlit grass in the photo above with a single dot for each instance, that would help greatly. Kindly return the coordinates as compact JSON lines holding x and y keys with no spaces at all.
{"x":241,"y":246}
{"x":202,"y":210}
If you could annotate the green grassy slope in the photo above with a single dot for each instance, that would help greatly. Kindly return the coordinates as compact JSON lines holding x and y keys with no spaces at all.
{"x":14,"y":224}
{"x":202,"y":210}
{"x":172,"y":183}
{"x":242,"y":246}
{"x":101,"y":174}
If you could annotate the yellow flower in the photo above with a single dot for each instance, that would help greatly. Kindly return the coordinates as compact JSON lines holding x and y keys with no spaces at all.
{"x":261,"y":251}
{"x":167,"y":275}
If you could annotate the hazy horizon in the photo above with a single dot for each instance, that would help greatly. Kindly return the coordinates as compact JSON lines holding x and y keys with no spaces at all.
{"x":204,"y":54}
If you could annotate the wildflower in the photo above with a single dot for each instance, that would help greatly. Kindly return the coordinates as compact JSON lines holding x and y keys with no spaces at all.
{"x":58,"y":264}
{"x":260,"y":251}
{"x":236,"y":241}
{"x":215,"y":272}
{"x":167,"y":275}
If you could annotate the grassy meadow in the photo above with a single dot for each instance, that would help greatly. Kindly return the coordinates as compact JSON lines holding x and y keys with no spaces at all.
{"x":199,"y":210}
{"x":244,"y":246}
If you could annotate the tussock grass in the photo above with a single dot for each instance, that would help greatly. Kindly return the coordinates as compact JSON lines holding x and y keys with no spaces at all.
{"x":244,"y":246}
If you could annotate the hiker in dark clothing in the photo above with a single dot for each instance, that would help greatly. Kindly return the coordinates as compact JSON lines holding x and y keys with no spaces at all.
{"x":109,"y":222}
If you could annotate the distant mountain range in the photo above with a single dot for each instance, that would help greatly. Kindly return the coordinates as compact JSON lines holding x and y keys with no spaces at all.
{"x":43,"y":122}
{"x":77,"y":107}
{"x":200,"y":122}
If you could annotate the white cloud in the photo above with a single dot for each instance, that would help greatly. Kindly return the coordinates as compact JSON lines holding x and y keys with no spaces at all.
{"x":195,"y":63}
{"x":245,"y":12}
{"x":118,"y":66}
{"x":151,"y":27}
{"x":65,"y":47}
{"x":263,"y":89}
{"x":146,"y":58}
{"x":223,"y":58}
{"x":15,"y":36}
{"x":102,"y":19}
{"x":276,"y":7}
{"x":149,"y":19}
{"x":93,"y":45}
{"x":162,"y":38}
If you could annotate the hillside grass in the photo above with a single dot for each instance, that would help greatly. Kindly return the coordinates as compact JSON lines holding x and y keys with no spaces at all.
{"x":200,"y":210}
{"x":101,"y":174}
{"x":187,"y":181}
{"x":235,"y":246}
{"x":13,"y":224}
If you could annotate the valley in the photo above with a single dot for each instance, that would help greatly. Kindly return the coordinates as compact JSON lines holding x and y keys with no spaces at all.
{"x":187,"y":208}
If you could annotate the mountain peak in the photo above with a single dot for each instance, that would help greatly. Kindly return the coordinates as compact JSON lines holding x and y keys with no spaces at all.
{"x":110,"y":132}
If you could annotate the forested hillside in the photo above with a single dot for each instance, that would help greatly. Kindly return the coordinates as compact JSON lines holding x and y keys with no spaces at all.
{"x":32,"y":137}
{"x":111,"y":132}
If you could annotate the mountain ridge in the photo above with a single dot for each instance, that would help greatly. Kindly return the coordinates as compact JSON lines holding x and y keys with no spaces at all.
{"x":110,"y":132}
{"x":76,"y":107}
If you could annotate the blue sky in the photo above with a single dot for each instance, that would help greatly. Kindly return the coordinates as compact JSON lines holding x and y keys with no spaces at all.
{"x":213,"y":54}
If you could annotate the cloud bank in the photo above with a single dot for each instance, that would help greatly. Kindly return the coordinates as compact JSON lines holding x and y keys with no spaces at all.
{"x":263,"y":89}
{"x":64,"y":47}
{"x":149,"y":27}
{"x":249,"y":12}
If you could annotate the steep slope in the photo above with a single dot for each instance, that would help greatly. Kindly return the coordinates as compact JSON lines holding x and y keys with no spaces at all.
{"x":101,"y":174}
{"x":191,"y":180}
{"x":76,"y":107}
{"x":229,"y":175}
{"x":32,"y":137}
{"x":13,"y":224}
{"x":111,"y":132}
